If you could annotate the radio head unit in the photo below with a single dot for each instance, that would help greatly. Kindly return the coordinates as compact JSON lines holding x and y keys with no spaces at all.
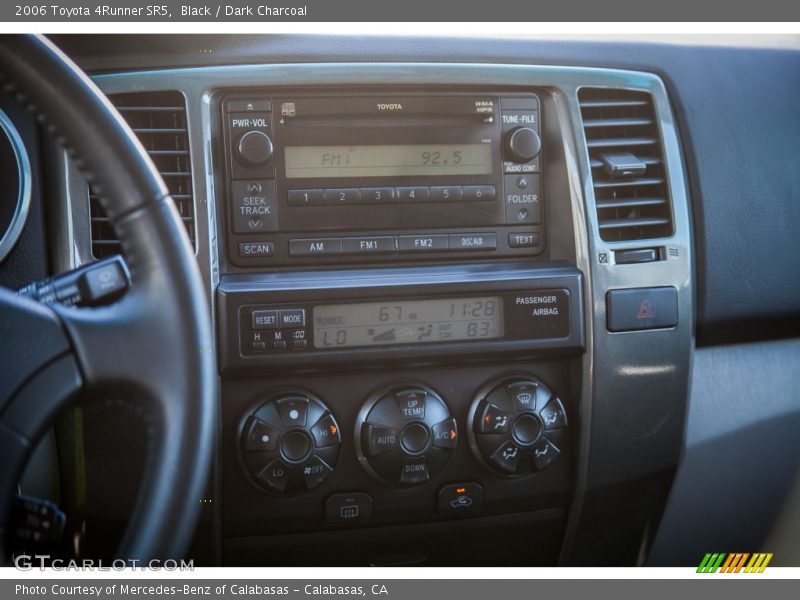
{"x":318,"y":177}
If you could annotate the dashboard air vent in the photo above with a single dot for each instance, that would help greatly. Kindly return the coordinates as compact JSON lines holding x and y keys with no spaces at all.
{"x":159,"y":121}
{"x":628,"y":173}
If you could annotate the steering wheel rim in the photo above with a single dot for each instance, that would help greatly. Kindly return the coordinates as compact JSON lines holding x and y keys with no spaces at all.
{"x":151,"y":350}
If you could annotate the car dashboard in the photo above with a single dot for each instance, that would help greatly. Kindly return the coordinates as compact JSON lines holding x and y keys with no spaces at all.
{"x":457,"y":295}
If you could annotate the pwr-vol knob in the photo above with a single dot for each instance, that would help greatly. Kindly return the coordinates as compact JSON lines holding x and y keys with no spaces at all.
{"x":289,"y":442}
{"x":516,"y":426}
{"x":254,"y":148}
{"x":405,"y":434}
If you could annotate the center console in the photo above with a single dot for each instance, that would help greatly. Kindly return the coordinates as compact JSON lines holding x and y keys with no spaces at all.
{"x":389,"y":257}
{"x":453,"y":307}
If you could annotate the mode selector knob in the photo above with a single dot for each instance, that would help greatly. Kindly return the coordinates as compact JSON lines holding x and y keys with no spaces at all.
{"x":254,"y":149}
{"x":522,"y":144}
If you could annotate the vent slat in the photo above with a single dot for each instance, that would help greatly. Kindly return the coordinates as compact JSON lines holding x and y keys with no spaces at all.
{"x":634,"y":222}
{"x":596,"y":163}
{"x":629,"y":202}
{"x":612,"y":103}
{"x":617,"y":183}
{"x":621,"y":142}
{"x":594,"y":123}
{"x":168,"y":152}
{"x":621,"y":127}
{"x":169,"y":109}
{"x":159,"y":130}
{"x":159,"y":121}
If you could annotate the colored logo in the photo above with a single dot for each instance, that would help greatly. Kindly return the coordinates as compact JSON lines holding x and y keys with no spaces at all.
{"x":734,"y":563}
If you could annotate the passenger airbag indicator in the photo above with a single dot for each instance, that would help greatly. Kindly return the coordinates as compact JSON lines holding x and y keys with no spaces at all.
{"x":541,"y":314}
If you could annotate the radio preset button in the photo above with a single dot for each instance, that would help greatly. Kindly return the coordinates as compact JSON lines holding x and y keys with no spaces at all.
{"x":368,"y":245}
{"x":473,"y":241}
{"x":253,"y":206}
{"x":413,"y":194}
{"x":523,"y":240}
{"x":381,"y":194}
{"x":422,"y":243}
{"x":304,"y":197}
{"x":480,"y":193}
{"x":315,"y":247}
{"x":343,"y":196}
{"x":446,"y":193}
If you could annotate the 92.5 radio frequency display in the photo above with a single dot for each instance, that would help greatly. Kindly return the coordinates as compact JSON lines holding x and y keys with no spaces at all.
{"x":408,"y":322}
{"x":388,"y":161}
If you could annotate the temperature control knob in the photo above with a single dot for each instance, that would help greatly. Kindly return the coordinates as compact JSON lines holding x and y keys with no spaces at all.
{"x":254,"y":148}
{"x":289,"y":442}
{"x":516,"y":426}
{"x":405,"y":434}
{"x":522,"y":144}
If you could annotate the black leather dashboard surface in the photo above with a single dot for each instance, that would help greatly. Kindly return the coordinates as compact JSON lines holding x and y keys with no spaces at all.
{"x":739,"y":123}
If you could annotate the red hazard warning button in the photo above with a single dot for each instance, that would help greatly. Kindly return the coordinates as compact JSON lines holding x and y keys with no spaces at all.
{"x":642,"y":308}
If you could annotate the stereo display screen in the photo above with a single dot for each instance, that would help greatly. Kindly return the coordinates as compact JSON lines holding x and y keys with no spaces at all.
{"x":308,"y":162}
{"x":408,"y":322}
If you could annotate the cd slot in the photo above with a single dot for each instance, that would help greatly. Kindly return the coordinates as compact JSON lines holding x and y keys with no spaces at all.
{"x":399,"y":120}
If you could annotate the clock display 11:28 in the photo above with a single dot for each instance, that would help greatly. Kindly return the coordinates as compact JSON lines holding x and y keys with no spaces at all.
{"x":408,"y":322}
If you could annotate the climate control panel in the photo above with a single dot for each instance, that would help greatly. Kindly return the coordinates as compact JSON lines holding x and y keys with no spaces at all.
{"x":405,"y":434}
{"x":516,"y":426}
{"x":289,"y":442}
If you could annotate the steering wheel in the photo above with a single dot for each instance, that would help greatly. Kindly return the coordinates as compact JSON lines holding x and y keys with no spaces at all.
{"x":152,"y":350}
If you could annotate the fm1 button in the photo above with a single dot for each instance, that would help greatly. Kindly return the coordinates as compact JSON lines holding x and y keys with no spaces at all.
{"x":412,"y":404}
{"x":253,"y":206}
{"x":348,"y":508}
{"x":415,"y":470}
{"x":275,"y":475}
{"x":506,"y":457}
{"x":544,"y":453}
{"x":460,"y":499}
{"x":293,"y":411}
